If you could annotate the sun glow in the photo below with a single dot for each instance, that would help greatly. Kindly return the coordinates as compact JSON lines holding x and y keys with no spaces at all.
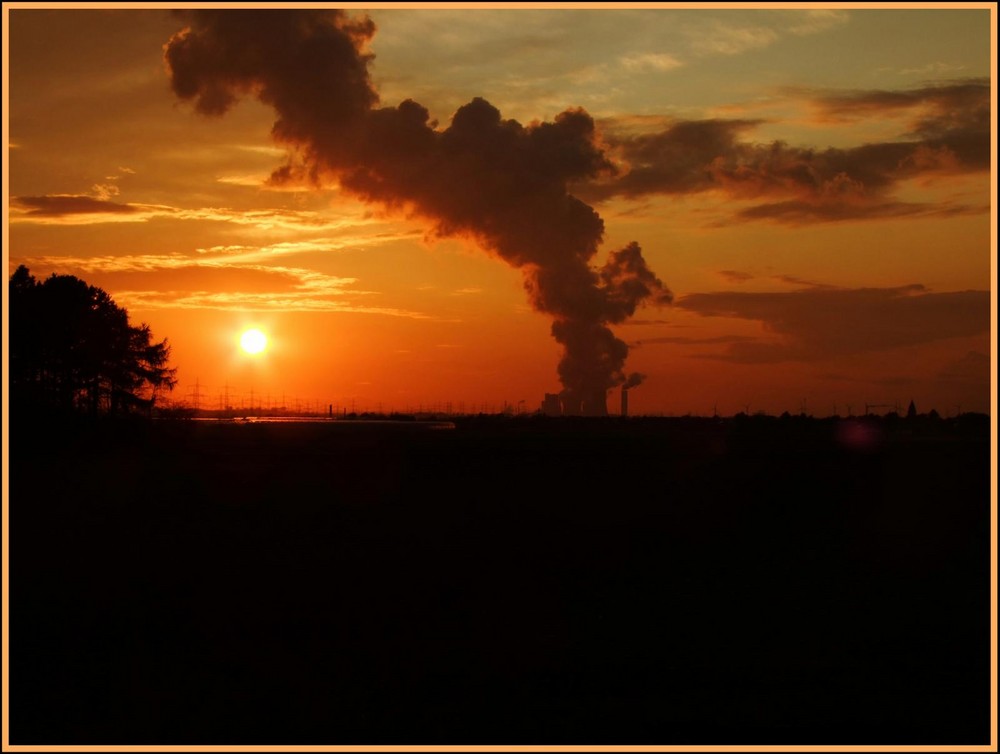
{"x":253,"y":341}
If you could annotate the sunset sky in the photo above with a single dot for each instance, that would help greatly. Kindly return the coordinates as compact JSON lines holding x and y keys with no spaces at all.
{"x":810,"y":190}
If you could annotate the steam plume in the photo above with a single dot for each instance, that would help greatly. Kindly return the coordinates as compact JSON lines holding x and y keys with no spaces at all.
{"x":484,"y":177}
{"x":634,"y":380}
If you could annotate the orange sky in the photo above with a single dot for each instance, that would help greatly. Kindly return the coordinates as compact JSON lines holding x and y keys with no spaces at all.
{"x":815,"y":198}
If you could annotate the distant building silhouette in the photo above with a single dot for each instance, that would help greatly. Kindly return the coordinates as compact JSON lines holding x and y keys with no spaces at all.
{"x":911,"y":412}
{"x":624,"y":411}
{"x":551,"y":405}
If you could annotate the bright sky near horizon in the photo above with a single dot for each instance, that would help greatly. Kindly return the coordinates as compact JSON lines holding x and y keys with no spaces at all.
{"x":813,"y":186}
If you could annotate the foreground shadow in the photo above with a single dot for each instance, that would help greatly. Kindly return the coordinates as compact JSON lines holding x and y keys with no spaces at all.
{"x":571,"y":582}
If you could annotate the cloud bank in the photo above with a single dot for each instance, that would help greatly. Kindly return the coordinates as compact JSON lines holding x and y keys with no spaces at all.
{"x":824,"y":322}
{"x":947,"y":132}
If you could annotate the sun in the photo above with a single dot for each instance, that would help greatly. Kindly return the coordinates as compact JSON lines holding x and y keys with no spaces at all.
{"x":253,"y":341}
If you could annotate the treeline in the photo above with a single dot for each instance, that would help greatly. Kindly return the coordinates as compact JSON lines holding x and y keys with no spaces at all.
{"x":73,"y":350}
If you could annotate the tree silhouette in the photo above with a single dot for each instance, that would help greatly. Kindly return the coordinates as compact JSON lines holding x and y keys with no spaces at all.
{"x":72,"y":349}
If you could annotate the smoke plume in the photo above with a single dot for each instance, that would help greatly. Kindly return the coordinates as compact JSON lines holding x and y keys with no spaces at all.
{"x":634,"y":380}
{"x":483,"y":177}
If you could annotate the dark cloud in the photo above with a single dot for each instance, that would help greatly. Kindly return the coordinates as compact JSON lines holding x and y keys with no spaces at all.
{"x":955,"y":115}
{"x":679,"y":159}
{"x":646,"y":322}
{"x":794,"y":280}
{"x":681,"y":340}
{"x":959,"y":94}
{"x":949,"y":134}
{"x":740,"y":276}
{"x":889,"y":381}
{"x":808,"y":212}
{"x":59,"y":205}
{"x":820,"y":323}
{"x":491,"y":179}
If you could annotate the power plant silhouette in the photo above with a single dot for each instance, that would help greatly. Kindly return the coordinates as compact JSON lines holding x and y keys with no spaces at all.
{"x":231,"y":400}
{"x":562,"y":404}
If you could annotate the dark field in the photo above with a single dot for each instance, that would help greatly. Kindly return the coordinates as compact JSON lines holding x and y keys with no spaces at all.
{"x":518,"y":581}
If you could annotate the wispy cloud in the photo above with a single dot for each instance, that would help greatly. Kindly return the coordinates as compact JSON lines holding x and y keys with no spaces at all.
{"x":104,"y":191}
{"x":263,"y":181}
{"x":741,"y":276}
{"x":799,"y":282}
{"x":263,"y":149}
{"x":195,"y":270}
{"x":108,"y":263}
{"x":235,"y":253}
{"x":80,"y":209}
{"x":252,"y":302}
{"x":156,"y":281}
{"x":108,"y":189}
{"x":817,"y":21}
{"x":725,"y":39}
{"x":935,"y":70}
{"x":55,"y":207}
{"x":650,"y":61}
{"x":623,"y":126}
{"x":255,"y":180}
{"x":721,"y":38}
{"x":734,"y":276}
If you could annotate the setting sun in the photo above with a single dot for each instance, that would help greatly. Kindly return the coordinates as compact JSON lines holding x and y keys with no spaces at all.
{"x":253,"y":341}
